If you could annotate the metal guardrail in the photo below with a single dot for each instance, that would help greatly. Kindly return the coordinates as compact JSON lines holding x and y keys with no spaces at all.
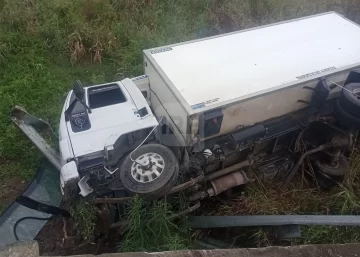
{"x":288,"y":225}
{"x":272,"y":220}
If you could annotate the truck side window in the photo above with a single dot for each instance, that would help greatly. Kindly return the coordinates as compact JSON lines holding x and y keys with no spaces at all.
{"x":105,"y":95}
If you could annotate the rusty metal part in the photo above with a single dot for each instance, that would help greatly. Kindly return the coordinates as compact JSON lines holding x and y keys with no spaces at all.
{"x":198,"y":196}
{"x":301,"y":159}
{"x":186,"y":185}
{"x":123,"y":223}
{"x":224,"y":183}
{"x":227,"y":170}
{"x":175,"y":189}
{"x":188,"y":210}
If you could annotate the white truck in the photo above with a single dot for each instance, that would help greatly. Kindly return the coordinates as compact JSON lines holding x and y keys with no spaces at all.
{"x":219,"y":109}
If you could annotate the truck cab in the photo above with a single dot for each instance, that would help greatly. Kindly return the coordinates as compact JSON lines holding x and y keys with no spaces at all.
{"x":93,"y":119}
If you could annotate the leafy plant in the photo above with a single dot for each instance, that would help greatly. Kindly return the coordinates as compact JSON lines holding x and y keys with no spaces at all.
{"x":150,"y":228}
{"x":84,"y":216}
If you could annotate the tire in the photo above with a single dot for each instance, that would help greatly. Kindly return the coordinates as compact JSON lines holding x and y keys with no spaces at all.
{"x":349,"y":101}
{"x":340,"y":169}
{"x":345,"y":118}
{"x":155,"y":187}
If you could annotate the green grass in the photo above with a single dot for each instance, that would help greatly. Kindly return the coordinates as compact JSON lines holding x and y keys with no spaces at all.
{"x":39,"y":57}
{"x":150,"y":228}
{"x":329,"y":235}
{"x":46,"y":45}
{"x":84,"y":215}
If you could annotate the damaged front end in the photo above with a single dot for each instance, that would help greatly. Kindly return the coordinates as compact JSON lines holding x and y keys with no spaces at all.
{"x":99,"y":125}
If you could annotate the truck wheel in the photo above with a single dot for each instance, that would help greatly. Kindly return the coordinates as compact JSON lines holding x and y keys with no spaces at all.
{"x":350,"y":99}
{"x":345,"y":118}
{"x":154,"y":172}
{"x":339,"y":168}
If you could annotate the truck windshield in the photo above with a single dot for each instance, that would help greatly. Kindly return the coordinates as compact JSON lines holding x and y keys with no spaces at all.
{"x":105,"y":95}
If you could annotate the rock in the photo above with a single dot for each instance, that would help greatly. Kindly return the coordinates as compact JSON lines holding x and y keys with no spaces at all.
{"x":20,"y":249}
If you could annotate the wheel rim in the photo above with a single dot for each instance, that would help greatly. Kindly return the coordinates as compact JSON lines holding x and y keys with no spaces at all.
{"x":147,"y":167}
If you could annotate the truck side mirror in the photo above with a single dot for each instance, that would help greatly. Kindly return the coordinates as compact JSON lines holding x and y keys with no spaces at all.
{"x":78,"y":89}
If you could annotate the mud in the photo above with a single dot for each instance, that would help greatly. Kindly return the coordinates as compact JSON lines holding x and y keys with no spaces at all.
{"x":11,"y":189}
{"x":54,"y":242}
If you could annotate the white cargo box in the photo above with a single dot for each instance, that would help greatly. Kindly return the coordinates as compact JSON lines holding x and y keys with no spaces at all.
{"x":236,"y":71}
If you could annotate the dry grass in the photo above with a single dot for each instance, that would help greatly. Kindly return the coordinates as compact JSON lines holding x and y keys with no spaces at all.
{"x":103,"y":27}
{"x":300,"y":198}
{"x":271,"y":202}
{"x":231,"y":15}
{"x":77,"y":48}
{"x":95,"y":52}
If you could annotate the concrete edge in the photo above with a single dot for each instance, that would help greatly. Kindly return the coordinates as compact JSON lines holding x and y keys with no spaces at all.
{"x":20,"y":249}
{"x":31,"y":249}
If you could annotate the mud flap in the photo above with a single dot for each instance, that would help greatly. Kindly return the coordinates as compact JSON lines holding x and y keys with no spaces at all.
{"x":85,"y":189}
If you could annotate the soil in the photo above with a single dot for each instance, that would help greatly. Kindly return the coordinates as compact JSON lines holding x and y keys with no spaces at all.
{"x":11,"y":189}
{"x":52,"y":240}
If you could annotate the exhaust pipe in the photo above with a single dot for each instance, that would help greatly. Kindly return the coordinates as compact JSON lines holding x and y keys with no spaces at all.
{"x":226,"y":182}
